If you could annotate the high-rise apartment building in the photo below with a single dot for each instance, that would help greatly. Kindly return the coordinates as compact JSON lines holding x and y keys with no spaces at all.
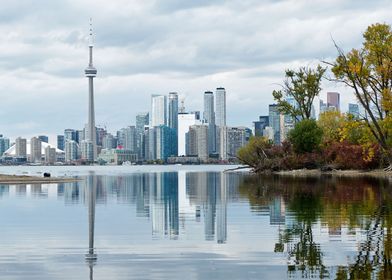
{"x":333,"y":100}
{"x":173,"y":110}
{"x":274,"y":121}
{"x":87,"y":150}
{"x":220,"y":102}
{"x":70,"y":134}
{"x":262,"y":123}
{"x":71,"y":150}
{"x":142,"y":120}
{"x":209,"y":118}
{"x":185,"y":120}
{"x":236,"y":139}
{"x":158,"y":110}
{"x":50,"y":155}
{"x":220,"y":121}
{"x":197,"y":141}
{"x":35,"y":150}
{"x":20,"y":147}
{"x":60,"y":142}
{"x":4,"y":144}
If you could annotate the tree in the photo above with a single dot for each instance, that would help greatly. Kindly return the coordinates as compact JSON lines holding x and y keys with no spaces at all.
{"x":254,"y":153}
{"x":303,"y":86}
{"x":331,"y":123}
{"x":306,"y":136}
{"x":368,"y":72}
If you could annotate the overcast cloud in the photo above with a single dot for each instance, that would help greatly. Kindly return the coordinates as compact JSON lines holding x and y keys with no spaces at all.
{"x":154,"y":47}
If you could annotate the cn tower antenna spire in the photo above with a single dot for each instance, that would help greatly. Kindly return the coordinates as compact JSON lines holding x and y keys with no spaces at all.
{"x":90,"y":40}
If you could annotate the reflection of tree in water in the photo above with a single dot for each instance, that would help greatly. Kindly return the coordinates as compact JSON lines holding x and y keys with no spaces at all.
{"x":357,"y":203}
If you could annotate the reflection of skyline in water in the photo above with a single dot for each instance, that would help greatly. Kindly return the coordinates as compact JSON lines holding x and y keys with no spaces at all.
{"x":168,"y":200}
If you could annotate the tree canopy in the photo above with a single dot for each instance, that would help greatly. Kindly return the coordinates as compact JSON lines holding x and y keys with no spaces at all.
{"x":302,"y":86}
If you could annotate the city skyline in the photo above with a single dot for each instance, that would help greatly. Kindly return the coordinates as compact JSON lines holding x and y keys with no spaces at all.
{"x":143,"y":51}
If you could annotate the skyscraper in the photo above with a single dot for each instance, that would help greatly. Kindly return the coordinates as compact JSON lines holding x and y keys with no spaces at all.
{"x":274,"y":121}
{"x":21,"y":147}
{"x":35,"y":150}
{"x":91,"y":73}
{"x":262,"y":123}
{"x":333,"y":100}
{"x":220,"y":115}
{"x":173,"y":110}
{"x":141,"y":121}
{"x":185,"y":120}
{"x":4,"y":144}
{"x":209,"y":118}
{"x":198,"y":141}
{"x":60,"y":142}
{"x":158,"y":110}
{"x":220,"y":121}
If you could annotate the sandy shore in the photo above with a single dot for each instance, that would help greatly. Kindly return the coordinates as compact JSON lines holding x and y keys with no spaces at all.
{"x":22,"y":179}
{"x":379,"y":173}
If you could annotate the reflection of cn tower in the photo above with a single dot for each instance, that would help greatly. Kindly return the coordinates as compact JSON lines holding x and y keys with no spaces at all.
{"x":91,"y":187}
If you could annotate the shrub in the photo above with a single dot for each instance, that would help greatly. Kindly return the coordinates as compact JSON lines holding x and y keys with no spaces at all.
{"x":306,"y":136}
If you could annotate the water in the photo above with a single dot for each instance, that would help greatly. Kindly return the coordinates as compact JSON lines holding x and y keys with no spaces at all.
{"x":193,"y":222}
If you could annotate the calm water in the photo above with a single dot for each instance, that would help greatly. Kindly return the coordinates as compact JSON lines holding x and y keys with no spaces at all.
{"x":186,"y":223}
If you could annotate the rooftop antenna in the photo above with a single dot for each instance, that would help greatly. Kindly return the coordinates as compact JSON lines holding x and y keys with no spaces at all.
{"x":182,"y":108}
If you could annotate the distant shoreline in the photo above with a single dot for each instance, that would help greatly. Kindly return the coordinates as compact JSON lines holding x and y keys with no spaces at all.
{"x":23,"y":179}
{"x":377,"y":173}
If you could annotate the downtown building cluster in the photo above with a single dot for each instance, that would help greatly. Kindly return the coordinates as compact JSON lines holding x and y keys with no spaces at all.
{"x":275,"y":126}
{"x":166,"y":134}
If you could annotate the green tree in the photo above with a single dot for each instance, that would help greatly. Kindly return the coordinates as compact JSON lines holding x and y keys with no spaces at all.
{"x":368,"y":72}
{"x":303,"y":86}
{"x":306,"y":136}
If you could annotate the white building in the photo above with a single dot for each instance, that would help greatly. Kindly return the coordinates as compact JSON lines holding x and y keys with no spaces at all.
{"x":268,"y":132}
{"x":158,"y":110}
{"x":185,"y":120}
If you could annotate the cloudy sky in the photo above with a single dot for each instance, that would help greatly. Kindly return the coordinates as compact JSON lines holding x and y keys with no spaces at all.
{"x":154,"y":47}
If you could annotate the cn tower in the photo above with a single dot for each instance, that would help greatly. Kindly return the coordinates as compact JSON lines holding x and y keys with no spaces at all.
{"x":90,"y":73}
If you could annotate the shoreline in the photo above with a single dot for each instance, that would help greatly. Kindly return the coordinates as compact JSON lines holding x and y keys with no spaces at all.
{"x":24,"y":179}
{"x":376,"y":173}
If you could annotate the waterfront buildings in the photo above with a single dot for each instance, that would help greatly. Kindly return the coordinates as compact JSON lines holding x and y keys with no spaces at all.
{"x":220,"y":118}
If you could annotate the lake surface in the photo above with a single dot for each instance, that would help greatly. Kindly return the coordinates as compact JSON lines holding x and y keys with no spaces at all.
{"x":193,"y":222}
